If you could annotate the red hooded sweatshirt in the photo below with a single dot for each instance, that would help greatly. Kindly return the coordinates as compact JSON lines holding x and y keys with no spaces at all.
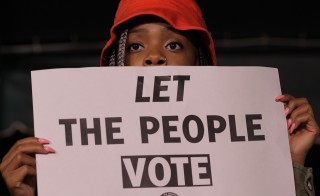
{"x":180,"y":14}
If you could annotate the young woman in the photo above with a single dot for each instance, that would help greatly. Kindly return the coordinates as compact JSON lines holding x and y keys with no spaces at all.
{"x":160,"y":33}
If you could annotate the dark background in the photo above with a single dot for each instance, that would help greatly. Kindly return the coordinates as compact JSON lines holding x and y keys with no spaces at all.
{"x":51,"y":34}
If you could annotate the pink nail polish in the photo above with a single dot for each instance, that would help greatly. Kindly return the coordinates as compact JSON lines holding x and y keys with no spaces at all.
{"x":49,"y":149}
{"x":279,"y":97}
{"x":292,"y":127}
{"x":289,"y":121}
{"x":43,"y":141}
{"x":286,"y":111}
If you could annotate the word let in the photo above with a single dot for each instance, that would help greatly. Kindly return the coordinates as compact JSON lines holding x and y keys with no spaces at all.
{"x":158,"y":87}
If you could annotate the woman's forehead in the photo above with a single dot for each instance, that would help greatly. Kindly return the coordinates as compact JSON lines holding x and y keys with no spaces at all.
{"x":159,"y":25}
{"x":152,"y":26}
{"x":143,"y":19}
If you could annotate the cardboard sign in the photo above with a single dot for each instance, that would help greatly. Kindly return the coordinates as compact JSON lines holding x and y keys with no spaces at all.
{"x":162,"y":131}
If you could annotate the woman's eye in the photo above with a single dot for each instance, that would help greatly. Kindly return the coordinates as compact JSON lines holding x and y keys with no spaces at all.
{"x":134,"y":47}
{"x":174,"y":46}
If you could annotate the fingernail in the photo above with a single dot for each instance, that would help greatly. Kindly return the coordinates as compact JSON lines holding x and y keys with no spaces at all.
{"x":279,"y":97}
{"x":49,"y":149}
{"x":286,"y":111}
{"x":289,"y":122}
{"x":43,"y":141}
{"x":292,"y":127}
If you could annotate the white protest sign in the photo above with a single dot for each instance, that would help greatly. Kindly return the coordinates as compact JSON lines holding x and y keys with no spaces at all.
{"x":172,"y":130}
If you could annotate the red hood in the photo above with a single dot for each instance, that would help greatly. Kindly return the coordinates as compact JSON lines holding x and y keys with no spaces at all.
{"x":180,"y":14}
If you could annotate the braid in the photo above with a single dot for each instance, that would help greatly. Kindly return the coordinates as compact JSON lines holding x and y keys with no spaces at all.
{"x":122,"y":48}
{"x":118,"y":52}
{"x":112,"y":60}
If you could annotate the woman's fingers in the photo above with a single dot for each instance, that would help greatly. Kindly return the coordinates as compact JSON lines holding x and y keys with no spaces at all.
{"x":20,"y":160}
{"x":299,"y":116}
{"x":15,"y":178}
{"x":302,"y":127}
{"x":284,"y":97}
{"x":18,"y":166}
{"x":29,"y":145}
{"x":291,"y":103}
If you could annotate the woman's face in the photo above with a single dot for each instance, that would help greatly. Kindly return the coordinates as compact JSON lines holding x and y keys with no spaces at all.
{"x":158,"y":43}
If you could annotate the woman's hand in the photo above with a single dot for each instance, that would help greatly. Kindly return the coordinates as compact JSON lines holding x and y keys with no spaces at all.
{"x":18,"y":167}
{"x":302,"y":127}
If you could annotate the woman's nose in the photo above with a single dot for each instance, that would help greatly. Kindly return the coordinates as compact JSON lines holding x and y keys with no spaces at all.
{"x":156,"y":59}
